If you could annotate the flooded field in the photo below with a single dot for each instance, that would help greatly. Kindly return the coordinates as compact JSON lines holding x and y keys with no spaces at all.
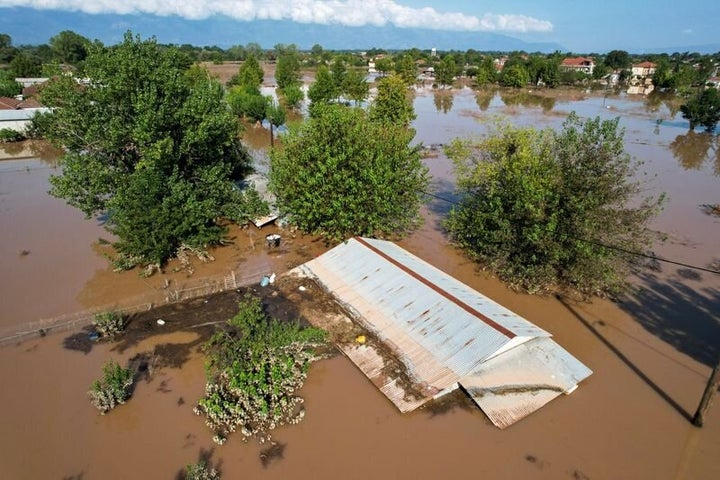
{"x":651,"y":352}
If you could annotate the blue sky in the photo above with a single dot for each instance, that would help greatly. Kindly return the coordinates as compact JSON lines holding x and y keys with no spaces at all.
{"x":576,"y":25}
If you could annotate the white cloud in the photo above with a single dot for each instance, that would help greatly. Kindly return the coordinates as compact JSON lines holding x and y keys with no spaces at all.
{"x":343,"y":12}
{"x":688,"y":31}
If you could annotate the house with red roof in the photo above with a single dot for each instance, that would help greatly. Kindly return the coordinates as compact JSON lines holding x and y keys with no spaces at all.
{"x":578,"y":64}
{"x":644,"y":69}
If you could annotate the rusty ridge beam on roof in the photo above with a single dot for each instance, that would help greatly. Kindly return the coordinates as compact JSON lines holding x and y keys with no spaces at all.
{"x":489,"y":321}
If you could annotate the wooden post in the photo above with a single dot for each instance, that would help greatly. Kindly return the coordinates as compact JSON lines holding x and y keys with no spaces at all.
{"x":707,"y":396}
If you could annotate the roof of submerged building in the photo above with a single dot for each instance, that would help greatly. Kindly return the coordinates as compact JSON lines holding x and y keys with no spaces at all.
{"x":441,"y":332}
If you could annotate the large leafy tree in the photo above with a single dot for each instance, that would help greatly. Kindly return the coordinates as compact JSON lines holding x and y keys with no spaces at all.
{"x":149,"y":143}
{"x":341,"y":175}
{"x":703,"y":109}
{"x":69,"y":47}
{"x":540,"y":208}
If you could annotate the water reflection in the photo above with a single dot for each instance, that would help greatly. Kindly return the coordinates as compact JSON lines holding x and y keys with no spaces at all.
{"x":40,"y":149}
{"x":656,"y":100}
{"x":692,"y":149}
{"x":526,"y":99}
{"x":443,"y":100}
{"x":483,"y":99}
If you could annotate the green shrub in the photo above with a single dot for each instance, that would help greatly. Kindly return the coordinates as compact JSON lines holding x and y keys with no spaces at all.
{"x":113,"y":389}
{"x":201,"y":471}
{"x":254,"y":369}
{"x":109,"y":324}
{"x":10,"y":135}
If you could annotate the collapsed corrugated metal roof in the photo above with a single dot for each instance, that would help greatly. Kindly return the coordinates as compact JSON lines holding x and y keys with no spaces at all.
{"x":430,"y":332}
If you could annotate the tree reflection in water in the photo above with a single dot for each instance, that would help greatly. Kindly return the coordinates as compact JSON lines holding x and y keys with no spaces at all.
{"x":692,"y":149}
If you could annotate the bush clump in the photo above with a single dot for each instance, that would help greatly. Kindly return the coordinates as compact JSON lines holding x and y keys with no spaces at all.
{"x":9,"y":135}
{"x":113,"y":389}
{"x":254,"y":368}
{"x":109,"y":324}
{"x":201,"y":471}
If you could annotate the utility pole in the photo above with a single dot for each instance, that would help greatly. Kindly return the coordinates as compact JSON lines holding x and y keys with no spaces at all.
{"x":707,"y":396}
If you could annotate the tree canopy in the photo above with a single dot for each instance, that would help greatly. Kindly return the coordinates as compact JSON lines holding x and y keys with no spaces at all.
{"x":539,"y":208}
{"x":340,"y":174}
{"x":703,"y":109}
{"x":150,"y":144}
{"x":392,"y":103}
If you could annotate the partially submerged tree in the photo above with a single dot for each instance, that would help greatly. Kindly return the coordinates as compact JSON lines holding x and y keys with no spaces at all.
{"x":703,"y":109}
{"x":539,"y":208}
{"x":341,"y":175}
{"x":392,"y":103}
{"x":250,"y":74}
{"x":152,"y":145}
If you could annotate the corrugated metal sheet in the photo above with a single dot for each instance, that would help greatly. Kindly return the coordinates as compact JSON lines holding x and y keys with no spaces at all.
{"x":439,"y":329}
{"x":513,"y":385}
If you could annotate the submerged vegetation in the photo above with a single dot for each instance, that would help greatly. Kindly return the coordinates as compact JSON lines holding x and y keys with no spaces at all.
{"x":551,"y":210}
{"x":254,"y":368}
{"x":109,"y":324}
{"x":113,"y":389}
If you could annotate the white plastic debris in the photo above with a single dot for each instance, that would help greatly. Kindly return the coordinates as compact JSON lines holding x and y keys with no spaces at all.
{"x":301,"y":288}
{"x":160,"y":321}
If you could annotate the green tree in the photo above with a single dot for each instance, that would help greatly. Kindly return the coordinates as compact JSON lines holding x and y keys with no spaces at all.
{"x":150,"y":144}
{"x":293,"y":96}
{"x":287,"y":71}
{"x":393,"y":103}
{"x":250,"y":74}
{"x":275,"y":115}
{"x":247,"y":102}
{"x":537,"y":207}
{"x":323,"y":89}
{"x":703,"y":109}
{"x":617,"y":59}
{"x":8,"y":86}
{"x":24,"y":65}
{"x":316,"y":50}
{"x":69,"y":47}
{"x":486,"y":73}
{"x":338,"y":71}
{"x":406,"y":69}
{"x":383,"y":65}
{"x":514,"y":76}
{"x":342,"y":175}
{"x":355,"y":87}
{"x":7,"y":51}
{"x":445,"y":71}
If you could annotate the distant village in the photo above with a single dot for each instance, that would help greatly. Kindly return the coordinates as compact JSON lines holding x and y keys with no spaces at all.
{"x":24,"y":69}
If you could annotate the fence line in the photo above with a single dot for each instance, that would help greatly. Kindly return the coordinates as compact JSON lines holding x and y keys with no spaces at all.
{"x":70,"y":321}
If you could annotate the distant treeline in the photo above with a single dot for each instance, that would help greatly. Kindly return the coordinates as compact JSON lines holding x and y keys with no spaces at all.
{"x":678,"y":72}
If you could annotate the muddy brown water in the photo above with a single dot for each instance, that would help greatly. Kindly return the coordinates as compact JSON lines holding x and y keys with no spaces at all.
{"x":650,"y":353}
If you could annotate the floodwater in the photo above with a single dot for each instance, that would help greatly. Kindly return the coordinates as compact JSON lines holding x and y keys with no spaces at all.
{"x":651,"y":353}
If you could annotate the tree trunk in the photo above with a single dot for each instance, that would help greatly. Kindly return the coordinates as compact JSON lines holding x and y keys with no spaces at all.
{"x":707,"y":396}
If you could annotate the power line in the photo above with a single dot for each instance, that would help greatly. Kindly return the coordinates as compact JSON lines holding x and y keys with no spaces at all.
{"x":609,"y":247}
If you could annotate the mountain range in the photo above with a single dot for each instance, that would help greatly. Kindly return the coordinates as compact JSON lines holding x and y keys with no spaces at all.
{"x":31,"y":27}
